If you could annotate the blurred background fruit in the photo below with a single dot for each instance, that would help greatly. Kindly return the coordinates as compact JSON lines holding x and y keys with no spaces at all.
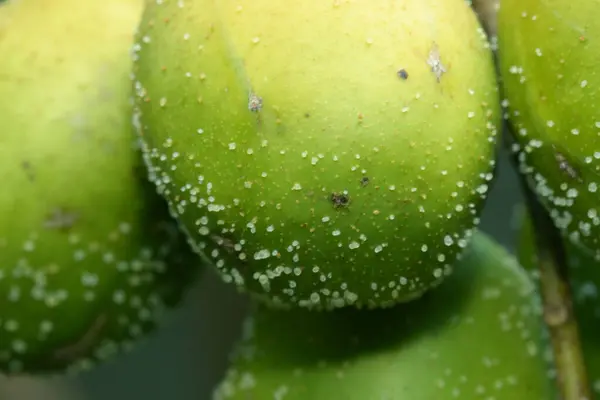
{"x":548,"y":59}
{"x":89,"y":256}
{"x":479,"y":334}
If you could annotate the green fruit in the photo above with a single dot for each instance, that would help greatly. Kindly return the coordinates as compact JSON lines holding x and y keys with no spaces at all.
{"x":584,"y":274}
{"x":477,"y":336}
{"x":320,"y":153}
{"x":548,"y":57}
{"x":89,"y":256}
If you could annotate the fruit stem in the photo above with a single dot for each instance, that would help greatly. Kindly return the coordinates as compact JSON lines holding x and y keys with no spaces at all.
{"x":558,"y":311}
{"x":486,"y":11}
{"x":572,"y":379}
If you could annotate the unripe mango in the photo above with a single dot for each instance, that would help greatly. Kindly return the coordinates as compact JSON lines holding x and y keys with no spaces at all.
{"x":320,"y":153}
{"x":89,"y":256}
{"x":477,"y":336}
{"x":548,"y":58}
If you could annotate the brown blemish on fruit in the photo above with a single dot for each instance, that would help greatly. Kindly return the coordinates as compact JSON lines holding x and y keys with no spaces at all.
{"x":28,"y":170}
{"x":60,"y":219}
{"x":211,"y":30}
{"x":402,"y":74}
{"x":223,"y":242}
{"x":564,"y":165}
{"x":340,"y":200}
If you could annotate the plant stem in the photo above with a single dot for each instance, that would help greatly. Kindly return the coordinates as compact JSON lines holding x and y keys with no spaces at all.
{"x":486,"y":11}
{"x":572,"y":379}
{"x":559,"y":316}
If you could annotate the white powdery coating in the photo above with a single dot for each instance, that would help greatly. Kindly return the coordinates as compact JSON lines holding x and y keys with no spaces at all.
{"x":323,"y":260}
{"x":561,"y":159}
{"x":45,"y":295}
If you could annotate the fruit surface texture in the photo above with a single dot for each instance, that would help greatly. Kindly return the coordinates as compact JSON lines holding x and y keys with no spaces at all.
{"x":322,"y":153}
{"x":89,"y":256}
{"x":479,"y":335}
{"x":548,"y":55}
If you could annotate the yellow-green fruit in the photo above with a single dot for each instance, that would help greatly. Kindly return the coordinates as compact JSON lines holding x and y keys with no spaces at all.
{"x":88,"y":254}
{"x":548,"y":55}
{"x":320,"y":153}
{"x":584,"y":273}
{"x":477,"y":336}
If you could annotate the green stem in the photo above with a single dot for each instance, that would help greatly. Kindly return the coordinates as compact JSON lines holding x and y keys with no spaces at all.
{"x":559,"y":316}
{"x":572,"y":379}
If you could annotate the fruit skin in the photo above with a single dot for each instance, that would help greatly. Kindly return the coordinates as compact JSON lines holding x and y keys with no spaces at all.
{"x":584,"y":274}
{"x":548,"y":58}
{"x":89,"y":256}
{"x":321,"y":157}
{"x":479,"y":335}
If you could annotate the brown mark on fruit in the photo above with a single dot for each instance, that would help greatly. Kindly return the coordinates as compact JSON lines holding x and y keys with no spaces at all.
{"x":402,"y":74}
{"x":565,"y":166}
{"x":364,"y":181}
{"x":223,"y":242}
{"x":339,"y":200}
{"x":82,"y":347}
{"x":435,"y":62}
{"x":211,"y":30}
{"x":60,"y":219}
{"x":26,"y":165}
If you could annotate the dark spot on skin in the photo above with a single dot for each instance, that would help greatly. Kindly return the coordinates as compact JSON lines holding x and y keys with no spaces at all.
{"x":340,"y":200}
{"x":402,"y":74}
{"x":364,"y":181}
{"x":211,"y":30}
{"x":565,"y":166}
{"x":223,"y":242}
{"x":26,"y":165}
{"x":60,"y":219}
{"x":306,"y":115}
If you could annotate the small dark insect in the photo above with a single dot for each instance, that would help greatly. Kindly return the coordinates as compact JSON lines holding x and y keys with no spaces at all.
{"x":340,"y":200}
{"x":364,"y":181}
{"x":402,"y":74}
